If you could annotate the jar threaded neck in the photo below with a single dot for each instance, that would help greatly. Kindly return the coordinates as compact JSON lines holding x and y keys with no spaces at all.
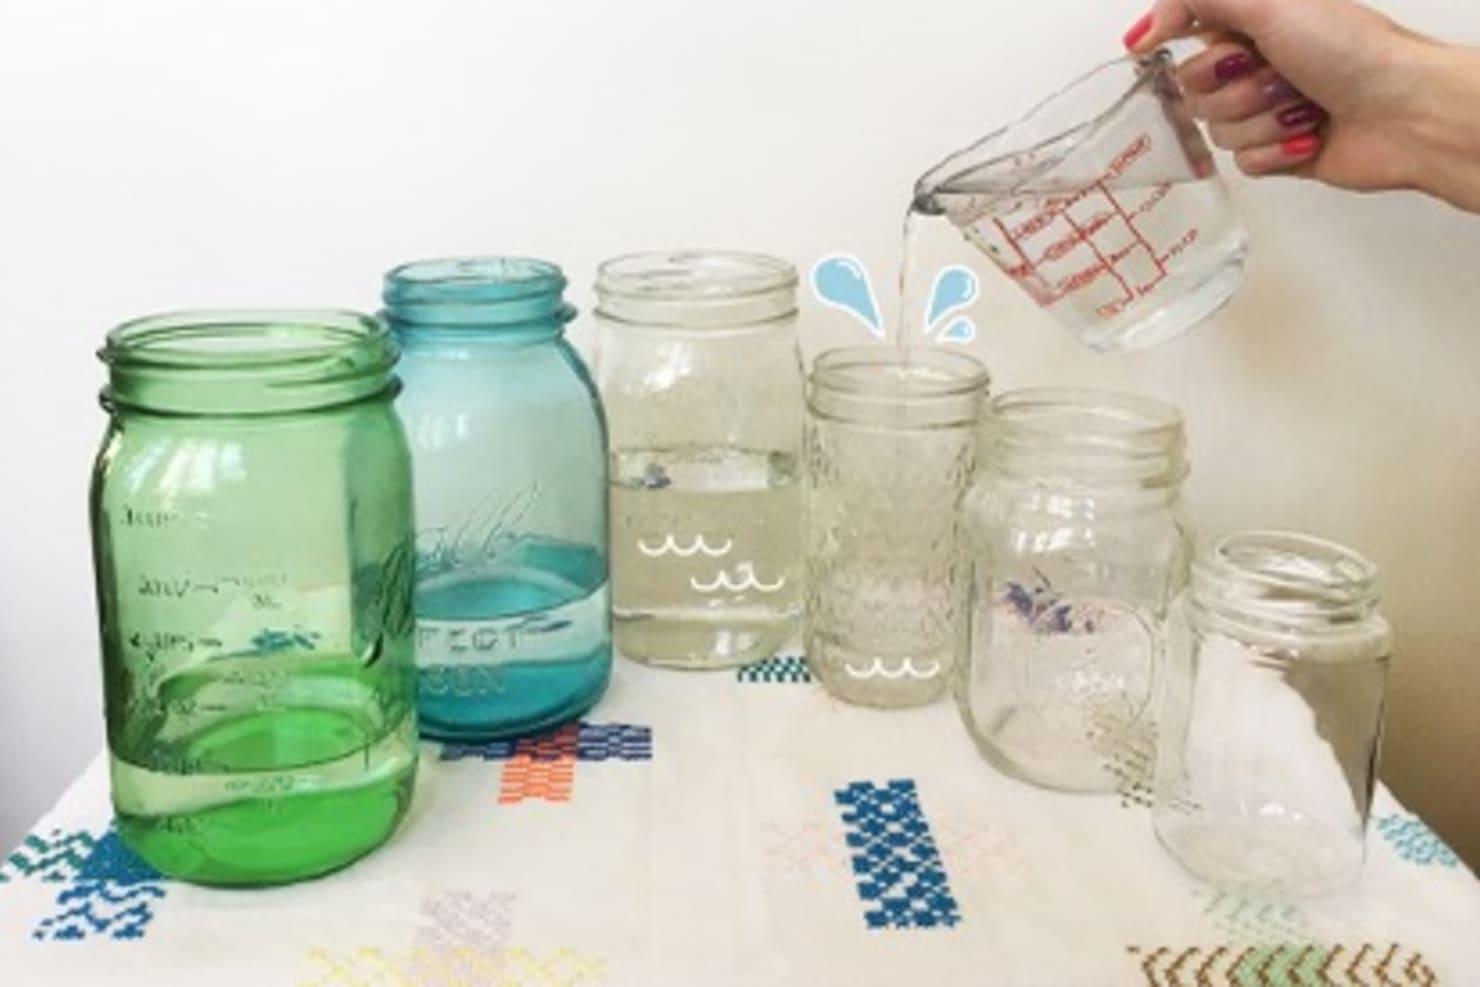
{"x":1285,"y":579}
{"x":897,"y":387}
{"x":246,"y":362}
{"x":1086,"y":437}
{"x":472,"y":293}
{"x":696,"y":289}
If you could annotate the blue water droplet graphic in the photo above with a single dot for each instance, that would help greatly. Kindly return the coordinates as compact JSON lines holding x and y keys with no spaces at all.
{"x":955,"y":287}
{"x":961,"y":330}
{"x":842,"y":282}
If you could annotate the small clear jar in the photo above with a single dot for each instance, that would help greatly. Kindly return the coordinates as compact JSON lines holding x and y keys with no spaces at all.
{"x":890,"y":454}
{"x":1080,"y":547}
{"x":251,"y":518}
{"x":1271,"y":715}
{"x":699,"y":368}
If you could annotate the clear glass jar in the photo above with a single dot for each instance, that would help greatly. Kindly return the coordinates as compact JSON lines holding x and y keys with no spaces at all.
{"x":251,"y":516}
{"x":1080,"y":548}
{"x":890,"y":453}
{"x":698,"y":363}
{"x":1271,"y":715}
{"x":513,"y":616}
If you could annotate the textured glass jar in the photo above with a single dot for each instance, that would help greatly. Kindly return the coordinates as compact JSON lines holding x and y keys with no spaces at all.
{"x":1080,"y":548}
{"x":251,"y":514}
{"x":890,"y":453}
{"x":513,"y":621}
{"x":698,"y":364}
{"x":1271,"y":715}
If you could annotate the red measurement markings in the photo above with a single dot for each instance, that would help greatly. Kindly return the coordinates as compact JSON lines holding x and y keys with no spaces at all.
{"x":1061,"y":248}
{"x":1106,"y":265}
{"x":1082,"y":234}
{"x":1188,"y":239}
{"x":1024,"y":269}
{"x":1161,"y":270}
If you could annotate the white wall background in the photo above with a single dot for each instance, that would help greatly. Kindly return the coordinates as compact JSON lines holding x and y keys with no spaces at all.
{"x":159,"y":154}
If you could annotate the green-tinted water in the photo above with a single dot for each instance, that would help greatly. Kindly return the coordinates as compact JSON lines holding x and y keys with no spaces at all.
{"x":266,"y":769}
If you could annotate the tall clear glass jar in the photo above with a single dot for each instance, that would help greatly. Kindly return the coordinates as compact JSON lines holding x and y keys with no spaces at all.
{"x":699,"y":366}
{"x":890,"y":452}
{"x":513,"y":621}
{"x":1271,"y":715}
{"x":1080,"y":548}
{"x":251,"y":516}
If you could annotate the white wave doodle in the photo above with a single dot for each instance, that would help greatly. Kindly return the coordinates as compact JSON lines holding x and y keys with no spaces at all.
{"x":906,"y":669}
{"x":746,"y":580}
{"x":670,"y":546}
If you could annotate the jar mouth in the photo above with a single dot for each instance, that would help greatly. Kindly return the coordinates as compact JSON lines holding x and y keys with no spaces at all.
{"x":1088,"y":435}
{"x":475,"y":291}
{"x":898,"y":373}
{"x":903,"y":387}
{"x":237,"y":338}
{"x":693,"y":288}
{"x":246,"y":360}
{"x":1284,"y":577}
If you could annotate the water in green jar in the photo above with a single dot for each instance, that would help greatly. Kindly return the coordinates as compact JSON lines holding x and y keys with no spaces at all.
{"x":266,"y":767}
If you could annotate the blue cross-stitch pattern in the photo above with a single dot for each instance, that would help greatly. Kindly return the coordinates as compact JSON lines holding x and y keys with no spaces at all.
{"x":1412,"y":840}
{"x":901,"y":878}
{"x":614,"y":741}
{"x":111,"y":897}
{"x":782,"y":668}
{"x":55,"y":857}
{"x":492,"y":750}
{"x":593,"y":742}
{"x":101,"y":909}
{"x":110,"y":860}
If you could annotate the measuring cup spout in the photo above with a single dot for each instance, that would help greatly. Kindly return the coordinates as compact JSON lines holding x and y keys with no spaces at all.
{"x":925,"y":202}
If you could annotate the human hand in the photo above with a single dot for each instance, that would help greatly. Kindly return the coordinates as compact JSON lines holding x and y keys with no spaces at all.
{"x":1319,"y":88}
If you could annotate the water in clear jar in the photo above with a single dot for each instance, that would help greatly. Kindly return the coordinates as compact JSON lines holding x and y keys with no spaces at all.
{"x":705,"y":554}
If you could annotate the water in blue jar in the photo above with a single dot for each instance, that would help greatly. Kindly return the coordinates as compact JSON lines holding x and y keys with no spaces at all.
{"x":521,"y":643}
{"x":513,"y":626}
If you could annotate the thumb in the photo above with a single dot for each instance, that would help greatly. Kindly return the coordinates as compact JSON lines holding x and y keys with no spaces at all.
{"x":1167,"y":20}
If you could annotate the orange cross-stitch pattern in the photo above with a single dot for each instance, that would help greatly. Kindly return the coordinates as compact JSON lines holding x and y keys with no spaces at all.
{"x":543,"y":768}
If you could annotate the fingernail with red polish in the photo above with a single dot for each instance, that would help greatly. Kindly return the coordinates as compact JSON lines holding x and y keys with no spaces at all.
{"x":1301,"y":147}
{"x":1300,"y":115}
{"x":1138,"y":31}
{"x":1232,"y":67}
{"x":1279,"y":90}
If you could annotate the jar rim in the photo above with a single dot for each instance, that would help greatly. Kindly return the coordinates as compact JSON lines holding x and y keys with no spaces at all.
{"x":915,"y":373}
{"x":1293,"y":562}
{"x":1087,"y":436}
{"x":1110,"y":414}
{"x":240,"y":339}
{"x":694,"y":275}
{"x":471,"y":293}
{"x":481,"y":278}
{"x":247,"y":361}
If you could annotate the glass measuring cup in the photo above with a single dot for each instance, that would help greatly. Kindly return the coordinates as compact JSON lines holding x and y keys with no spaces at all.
{"x":1104,"y":205}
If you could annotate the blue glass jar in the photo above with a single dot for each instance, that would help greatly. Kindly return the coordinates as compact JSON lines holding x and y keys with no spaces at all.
{"x":509,"y":453}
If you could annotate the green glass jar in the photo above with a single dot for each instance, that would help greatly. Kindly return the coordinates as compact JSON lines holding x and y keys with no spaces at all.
{"x":252,"y":538}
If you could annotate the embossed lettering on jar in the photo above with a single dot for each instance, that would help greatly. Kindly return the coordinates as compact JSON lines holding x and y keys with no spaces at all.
{"x":251,"y":512}
{"x":1079,"y":549}
{"x":700,"y":371}
{"x":513,"y":626}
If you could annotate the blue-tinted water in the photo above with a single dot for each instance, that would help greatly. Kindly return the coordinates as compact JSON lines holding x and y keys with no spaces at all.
{"x":511,"y":648}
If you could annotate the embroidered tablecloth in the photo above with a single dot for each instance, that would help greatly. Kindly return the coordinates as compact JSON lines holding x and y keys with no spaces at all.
{"x":734,"y":828}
